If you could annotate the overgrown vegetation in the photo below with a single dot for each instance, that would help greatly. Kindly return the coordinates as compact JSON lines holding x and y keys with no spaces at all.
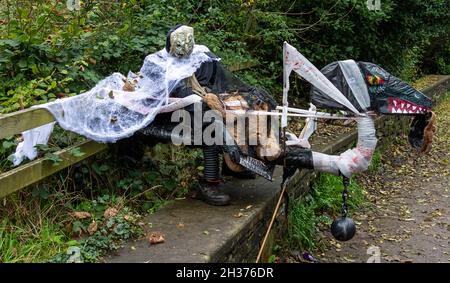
{"x":107,"y":221}
{"x":48,"y":51}
{"x":323,"y":204}
{"x":33,"y":232}
{"x":43,"y":215}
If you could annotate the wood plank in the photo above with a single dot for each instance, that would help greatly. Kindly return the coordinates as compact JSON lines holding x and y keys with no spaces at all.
{"x":17,"y":122}
{"x":39,"y":169}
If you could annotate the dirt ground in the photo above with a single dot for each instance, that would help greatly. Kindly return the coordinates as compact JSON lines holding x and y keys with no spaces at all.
{"x":408,"y":217}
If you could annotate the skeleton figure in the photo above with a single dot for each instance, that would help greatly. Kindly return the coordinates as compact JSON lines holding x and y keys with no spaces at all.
{"x":209,"y":81}
{"x":180,"y":41}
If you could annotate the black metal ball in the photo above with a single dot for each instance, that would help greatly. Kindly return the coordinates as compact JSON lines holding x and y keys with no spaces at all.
{"x":343,"y":229}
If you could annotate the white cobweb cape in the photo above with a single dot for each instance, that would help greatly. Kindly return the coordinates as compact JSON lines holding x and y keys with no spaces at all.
{"x":107,"y":113}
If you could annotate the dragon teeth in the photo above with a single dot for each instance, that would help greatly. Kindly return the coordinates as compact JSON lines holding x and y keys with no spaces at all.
{"x":401,"y":107}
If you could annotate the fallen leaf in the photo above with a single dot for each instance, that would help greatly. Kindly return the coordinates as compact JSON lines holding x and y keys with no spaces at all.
{"x":180,"y":225}
{"x":110,"y":212}
{"x":239,"y":215}
{"x":249,"y":206}
{"x":348,"y":259}
{"x":81,"y":214}
{"x":206,"y":232}
{"x":92,"y":227}
{"x":155,"y":238}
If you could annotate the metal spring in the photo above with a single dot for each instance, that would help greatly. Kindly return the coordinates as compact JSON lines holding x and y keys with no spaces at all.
{"x":211,"y":157}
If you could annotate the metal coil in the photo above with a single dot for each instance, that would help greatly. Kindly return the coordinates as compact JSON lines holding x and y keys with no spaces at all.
{"x":211,"y":157}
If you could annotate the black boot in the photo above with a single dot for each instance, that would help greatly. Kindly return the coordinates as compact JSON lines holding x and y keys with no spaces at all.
{"x":211,"y":193}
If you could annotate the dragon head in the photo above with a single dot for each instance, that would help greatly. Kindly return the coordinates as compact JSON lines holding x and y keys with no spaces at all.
{"x":386,"y":94}
{"x":390,"y":95}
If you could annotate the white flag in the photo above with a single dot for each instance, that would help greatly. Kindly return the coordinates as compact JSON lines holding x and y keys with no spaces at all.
{"x":295,"y":61}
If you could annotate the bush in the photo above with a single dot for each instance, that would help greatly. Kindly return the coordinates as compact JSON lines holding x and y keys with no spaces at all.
{"x":48,"y":51}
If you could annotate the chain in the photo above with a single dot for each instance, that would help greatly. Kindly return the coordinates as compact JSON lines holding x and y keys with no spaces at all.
{"x":346,"y":183}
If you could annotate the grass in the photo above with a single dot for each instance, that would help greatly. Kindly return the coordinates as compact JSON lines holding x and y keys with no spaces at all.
{"x":376,"y":162}
{"x":30,"y":243}
{"x":38,"y":223}
{"x":41,"y":228}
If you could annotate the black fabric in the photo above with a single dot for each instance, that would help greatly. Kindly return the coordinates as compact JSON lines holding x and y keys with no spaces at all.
{"x":298,"y":157}
{"x":216,"y":79}
{"x":334,"y":74}
{"x":418,"y":124}
{"x":168,"y":45}
{"x":380,"y":84}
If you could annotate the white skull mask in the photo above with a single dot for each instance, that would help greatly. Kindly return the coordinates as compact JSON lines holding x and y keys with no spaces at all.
{"x":182,"y":41}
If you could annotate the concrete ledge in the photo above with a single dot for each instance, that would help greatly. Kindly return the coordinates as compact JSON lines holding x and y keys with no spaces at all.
{"x":196,"y":232}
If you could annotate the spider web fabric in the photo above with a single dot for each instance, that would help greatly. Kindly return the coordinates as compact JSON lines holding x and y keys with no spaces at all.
{"x":107,"y":113}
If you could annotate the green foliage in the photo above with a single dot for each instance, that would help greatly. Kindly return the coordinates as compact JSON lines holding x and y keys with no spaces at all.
{"x":302,"y":225}
{"x":49,"y":153}
{"x":376,"y":161}
{"x":110,"y":230}
{"x":7,"y":147}
{"x":307,"y":215}
{"x":46,"y":228}
{"x":24,"y":244}
{"x":48,"y":51}
{"x":76,"y":152}
{"x":443,"y":61}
